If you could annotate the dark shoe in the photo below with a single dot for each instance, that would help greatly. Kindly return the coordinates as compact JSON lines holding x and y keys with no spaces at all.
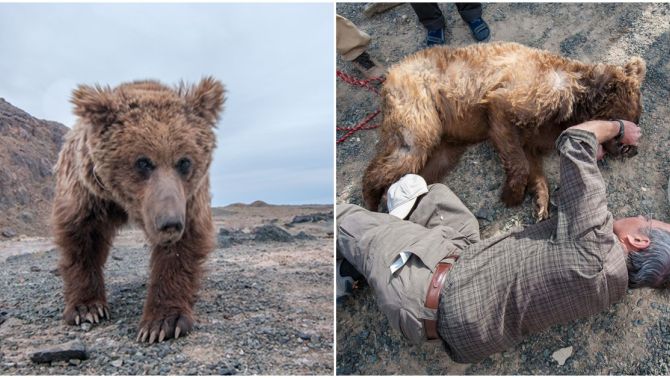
{"x":480,"y":30}
{"x":370,"y":68}
{"x":345,"y":278}
{"x":435,"y":37}
{"x":343,"y":284}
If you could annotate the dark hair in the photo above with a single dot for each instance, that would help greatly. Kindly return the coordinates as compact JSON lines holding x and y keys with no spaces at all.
{"x":651,"y":266}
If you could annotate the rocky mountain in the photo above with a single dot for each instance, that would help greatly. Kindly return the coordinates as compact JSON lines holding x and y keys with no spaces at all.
{"x":28,"y":151}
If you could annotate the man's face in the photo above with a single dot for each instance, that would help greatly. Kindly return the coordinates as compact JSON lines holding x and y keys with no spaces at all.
{"x":631,"y":231}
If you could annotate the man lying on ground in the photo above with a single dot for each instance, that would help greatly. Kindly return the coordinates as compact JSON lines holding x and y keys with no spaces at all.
{"x":435,"y":279}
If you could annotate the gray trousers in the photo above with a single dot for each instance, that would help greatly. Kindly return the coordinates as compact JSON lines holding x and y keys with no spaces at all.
{"x":439,"y":227}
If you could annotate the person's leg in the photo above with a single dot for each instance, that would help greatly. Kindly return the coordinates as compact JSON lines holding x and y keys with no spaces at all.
{"x":371,"y":242}
{"x":350,"y":40}
{"x":429,"y":15}
{"x":432,"y":19}
{"x":351,"y":44}
{"x":471,"y":13}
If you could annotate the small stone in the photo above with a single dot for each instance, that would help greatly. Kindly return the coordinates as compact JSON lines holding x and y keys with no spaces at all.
{"x":74,"y":362}
{"x":562,"y":355}
{"x":304,"y":236}
{"x":317,"y":217}
{"x":62,"y":352}
{"x":26,"y":216}
{"x":180,"y":358}
{"x":117,"y":363}
{"x":117,"y":258}
{"x":484,"y":214}
{"x":86,"y":326}
{"x":225,"y":241}
{"x":227,"y":371}
{"x":35,"y":269}
{"x":270,"y":232}
{"x":304,"y":336}
{"x":8,"y":233}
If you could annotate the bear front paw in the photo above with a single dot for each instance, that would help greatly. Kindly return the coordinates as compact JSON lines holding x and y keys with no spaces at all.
{"x":512,"y":195}
{"x":93,"y":313}
{"x":541,"y":208}
{"x":158,"y":328}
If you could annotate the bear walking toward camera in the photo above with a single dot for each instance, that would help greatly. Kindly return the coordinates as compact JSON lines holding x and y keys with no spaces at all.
{"x":139,"y":152}
{"x":439,"y":101}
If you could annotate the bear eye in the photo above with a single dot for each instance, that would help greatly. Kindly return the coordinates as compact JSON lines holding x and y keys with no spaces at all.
{"x":144,"y":166}
{"x":184,"y":166}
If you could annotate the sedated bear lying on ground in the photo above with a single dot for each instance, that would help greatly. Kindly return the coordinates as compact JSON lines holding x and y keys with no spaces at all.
{"x":438,"y":101}
{"x":139,"y":152}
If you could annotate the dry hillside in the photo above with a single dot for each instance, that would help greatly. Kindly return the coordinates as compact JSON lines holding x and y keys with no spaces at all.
{"x":28,"y":151}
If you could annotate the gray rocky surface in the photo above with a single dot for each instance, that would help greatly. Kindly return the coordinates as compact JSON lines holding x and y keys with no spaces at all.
{"x":257,"y":304}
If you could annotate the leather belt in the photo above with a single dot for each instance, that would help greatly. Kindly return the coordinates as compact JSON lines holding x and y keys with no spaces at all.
{"x":433,"y":296}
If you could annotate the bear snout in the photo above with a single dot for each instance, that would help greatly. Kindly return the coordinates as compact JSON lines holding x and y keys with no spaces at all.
{"x":170,"y":225}
{"x":165,"y":208}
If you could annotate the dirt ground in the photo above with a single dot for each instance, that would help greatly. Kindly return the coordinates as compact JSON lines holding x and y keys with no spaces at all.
{"x":264,"y":308}
{"x":632,"y":336}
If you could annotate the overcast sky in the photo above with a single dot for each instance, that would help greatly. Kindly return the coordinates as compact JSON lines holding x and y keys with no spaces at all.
{"x":275,"y":138}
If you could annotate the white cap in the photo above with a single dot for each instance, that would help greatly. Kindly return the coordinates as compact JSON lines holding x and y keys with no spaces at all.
{"x":403,"y":194}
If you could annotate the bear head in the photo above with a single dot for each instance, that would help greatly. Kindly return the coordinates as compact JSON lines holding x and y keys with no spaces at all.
{"x":150,"y":147}
{"x":615,"y":92}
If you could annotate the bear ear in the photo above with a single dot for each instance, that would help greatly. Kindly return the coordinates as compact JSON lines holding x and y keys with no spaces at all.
{"x":206,"y":99}
{"x":94,"y":105}
{"x":636,"y":68}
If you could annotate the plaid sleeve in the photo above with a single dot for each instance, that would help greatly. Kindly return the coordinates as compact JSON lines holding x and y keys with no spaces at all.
{"x":582,"y":205}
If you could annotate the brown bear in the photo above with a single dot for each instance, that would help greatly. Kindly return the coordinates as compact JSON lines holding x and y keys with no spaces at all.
{"x":438,"y":101}
{"x":139,"y":152}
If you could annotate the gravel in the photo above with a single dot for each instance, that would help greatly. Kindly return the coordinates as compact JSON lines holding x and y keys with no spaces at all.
{"x":630,"y":337}
{"x":255,"y":301}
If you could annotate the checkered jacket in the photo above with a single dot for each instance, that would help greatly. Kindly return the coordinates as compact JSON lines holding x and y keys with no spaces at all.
{"x":568,"y":267}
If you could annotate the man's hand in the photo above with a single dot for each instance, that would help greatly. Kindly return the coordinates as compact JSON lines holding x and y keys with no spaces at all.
{"x":606,"y":130}
{"x":631,"y":133}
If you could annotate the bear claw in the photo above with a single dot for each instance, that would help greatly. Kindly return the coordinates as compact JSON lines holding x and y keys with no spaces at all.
{"x":163,"y":328}
{"x":93,"y":313}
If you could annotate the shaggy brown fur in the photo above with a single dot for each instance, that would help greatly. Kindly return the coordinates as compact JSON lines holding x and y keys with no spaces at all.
{"x":139,"y":152}
{"x":440,"y":100}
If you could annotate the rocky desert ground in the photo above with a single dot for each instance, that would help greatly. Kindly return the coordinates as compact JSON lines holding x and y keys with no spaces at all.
{"x":632,"y":336}
{"x":265,"y":307}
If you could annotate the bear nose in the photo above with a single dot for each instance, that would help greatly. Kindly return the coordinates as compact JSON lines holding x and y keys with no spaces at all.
{"x":170,"y":225}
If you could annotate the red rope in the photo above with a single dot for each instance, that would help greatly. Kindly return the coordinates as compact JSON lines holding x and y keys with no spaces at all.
{"x":360,"y":126}
{"x":363,"y":125}
{"x":367,"y":84}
